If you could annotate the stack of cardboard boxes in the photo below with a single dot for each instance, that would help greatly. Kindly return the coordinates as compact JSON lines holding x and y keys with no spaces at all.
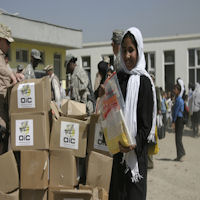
{"x":49,"y":150}
{"x":30,"y":130}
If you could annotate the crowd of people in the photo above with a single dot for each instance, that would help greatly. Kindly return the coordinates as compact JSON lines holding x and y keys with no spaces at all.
{"x":143,"y":103}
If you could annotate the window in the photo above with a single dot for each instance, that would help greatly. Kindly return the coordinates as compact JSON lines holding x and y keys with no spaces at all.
{"x":169,"y":64}
{"x":86,"y":64}
{"x":21,"y":55}
{"x":57,"y":64}
{"x":194,"y":65}
{"x":150,"y":62}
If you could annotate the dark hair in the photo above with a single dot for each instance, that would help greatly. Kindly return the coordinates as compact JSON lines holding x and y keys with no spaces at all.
{"x":178,"y":87}
{"x":102,"y":68}
{"x":132,"y":37}
{"x":73,"y":60}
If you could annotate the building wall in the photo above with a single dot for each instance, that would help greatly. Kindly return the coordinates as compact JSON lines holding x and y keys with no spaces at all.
{"x":48,"y":50}
{"x":46,"y":37}
{"x":181,"y":57}
{"x":179,"y":44}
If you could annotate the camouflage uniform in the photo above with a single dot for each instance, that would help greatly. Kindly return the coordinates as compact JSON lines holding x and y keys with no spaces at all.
{"x":29,"y":72}
{"x":116,"y":39}
{"x":117,"y":63}
{"x":79,"y":88}
{"x":6,"y":76}
{"x":4,"y":84}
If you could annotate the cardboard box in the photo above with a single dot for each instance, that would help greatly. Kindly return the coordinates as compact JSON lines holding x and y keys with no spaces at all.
{"x":69,"y":194}
{"x":30,"y":131}
{"x":34,"y":169}
{"x":34,"y":195}
{"x":33,"y":95}
{"x":63,"y":170}
{"x":69,"y":133}
{"x":103,"y":195}
{"x":97,"y":192}
{"x":99,"y":170}
{"x":9,"y":177}
{"x":96,"y":140}
{"x":70,"y":107}
{"x":11,"y":196}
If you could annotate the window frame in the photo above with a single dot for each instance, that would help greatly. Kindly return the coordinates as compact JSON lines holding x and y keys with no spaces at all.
{"x":20,"y":50}
{"x":149,"y":67}
{"x":196,"y":66}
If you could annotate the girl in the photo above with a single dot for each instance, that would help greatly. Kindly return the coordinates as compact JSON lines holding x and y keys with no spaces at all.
{"x":129,"y":175}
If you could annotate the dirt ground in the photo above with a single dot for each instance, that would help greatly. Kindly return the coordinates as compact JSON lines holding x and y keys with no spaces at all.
{"x":172,"y":180}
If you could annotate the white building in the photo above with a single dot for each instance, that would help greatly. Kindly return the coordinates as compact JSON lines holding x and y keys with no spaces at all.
{"x":168,"y":57}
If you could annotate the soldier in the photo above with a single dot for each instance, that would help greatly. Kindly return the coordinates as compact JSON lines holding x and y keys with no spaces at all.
{"x":7,"y":79}
{"x":80,"y":89}
{"x":116,"y":41}
{"x":55,"y":84}
{"x":35,"y":59}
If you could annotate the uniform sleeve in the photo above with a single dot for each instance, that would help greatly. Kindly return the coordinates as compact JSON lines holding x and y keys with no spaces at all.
{"x":83,"y":81}
{"x":5,"y":71}
{"x":57,"y":93}
{"x":144,"y":113}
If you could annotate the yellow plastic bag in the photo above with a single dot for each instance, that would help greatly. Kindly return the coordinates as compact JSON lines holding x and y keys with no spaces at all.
{"x":153,"y":148}
{"x":115,"y":131}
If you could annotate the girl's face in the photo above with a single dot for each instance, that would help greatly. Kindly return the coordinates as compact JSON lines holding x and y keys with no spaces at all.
{"x":109,"y":74}
{"x":129,"y":53}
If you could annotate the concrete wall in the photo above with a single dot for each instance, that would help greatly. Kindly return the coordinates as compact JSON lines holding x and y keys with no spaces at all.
{"x":179,"y":44}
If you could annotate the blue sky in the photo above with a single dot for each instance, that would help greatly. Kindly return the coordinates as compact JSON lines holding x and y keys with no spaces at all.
{"x":98,"y":19}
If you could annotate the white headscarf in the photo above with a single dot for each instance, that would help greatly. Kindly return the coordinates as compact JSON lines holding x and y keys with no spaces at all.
{"x":130,"y":110}
{"x":181,"y":83}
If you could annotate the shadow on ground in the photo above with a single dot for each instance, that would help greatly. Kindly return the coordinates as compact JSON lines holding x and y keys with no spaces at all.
{"x":186,"y":131}
{"x":164,"y":159}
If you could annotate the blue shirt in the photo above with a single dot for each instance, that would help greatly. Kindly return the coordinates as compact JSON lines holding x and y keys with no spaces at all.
{"x":163,"y":105}
{"x":178,"y":108}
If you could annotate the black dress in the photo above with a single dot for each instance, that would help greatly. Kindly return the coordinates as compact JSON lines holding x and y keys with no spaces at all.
{"x":121,"y":187}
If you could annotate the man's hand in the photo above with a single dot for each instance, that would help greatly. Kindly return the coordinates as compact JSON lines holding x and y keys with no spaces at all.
{"x":124,"y":149}
{"x":13,"y":78}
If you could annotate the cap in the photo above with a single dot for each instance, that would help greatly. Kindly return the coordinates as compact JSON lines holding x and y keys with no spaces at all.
{"x":48,"y":68}
{"x":5,"y":33}
{"x":36,"y":54}
{"x":117,"y":36}
{"x":20,"y":68}
{"x":68,"y":59}
{"x":106,"y":59}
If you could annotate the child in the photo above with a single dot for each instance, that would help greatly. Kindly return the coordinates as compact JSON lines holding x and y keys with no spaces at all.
{"x":177,"y":123}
